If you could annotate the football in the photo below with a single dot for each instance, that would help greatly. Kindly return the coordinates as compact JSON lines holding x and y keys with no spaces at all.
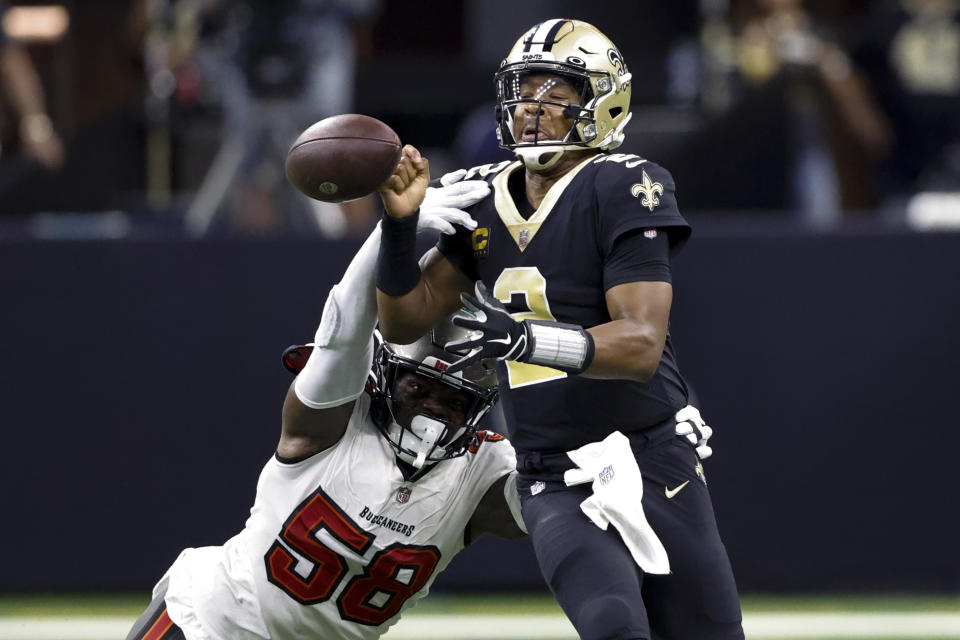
{"x":343,"y":157}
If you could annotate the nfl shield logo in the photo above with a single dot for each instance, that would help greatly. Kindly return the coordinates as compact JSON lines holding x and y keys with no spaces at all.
{"x":523,"y":238}
{"x":650,"y":234}
{"x":403,"y":495}
{"x":537,"y":487}
{"x":606,"y":475}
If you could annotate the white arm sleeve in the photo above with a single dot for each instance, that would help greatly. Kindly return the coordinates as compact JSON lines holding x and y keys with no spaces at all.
{"x":343,"y":346}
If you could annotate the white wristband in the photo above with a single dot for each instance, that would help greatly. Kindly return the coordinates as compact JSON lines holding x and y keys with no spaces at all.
{"x":561,"y":346}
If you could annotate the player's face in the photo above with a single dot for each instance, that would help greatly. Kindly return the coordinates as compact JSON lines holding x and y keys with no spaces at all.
{"x":415,"y":394}
{"x":552,"y":125}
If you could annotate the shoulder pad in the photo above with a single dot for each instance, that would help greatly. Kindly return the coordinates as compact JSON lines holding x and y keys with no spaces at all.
{"x":480,"y":172}
{"x":636,"y":193}
{"x":487,"y":171}
{"x":628,"y":160}
{"x":626,"y":177}
{"x":629,"y":168}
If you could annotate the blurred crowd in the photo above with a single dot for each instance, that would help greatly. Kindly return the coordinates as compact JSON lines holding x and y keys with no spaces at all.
{"x":175,"y":115}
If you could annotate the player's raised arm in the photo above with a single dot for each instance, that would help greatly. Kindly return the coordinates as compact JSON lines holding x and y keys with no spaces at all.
{"x":319,"y":402}
{"x":411,"y":297}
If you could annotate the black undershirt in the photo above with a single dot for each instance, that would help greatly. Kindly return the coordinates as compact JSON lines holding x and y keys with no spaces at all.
{"x":517,"y":185}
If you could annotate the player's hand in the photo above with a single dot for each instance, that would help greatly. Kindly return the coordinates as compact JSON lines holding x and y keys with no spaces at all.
{"x":494,"y":334}
{"x":690,"y":425}
{"x":448,"y":179}
{"x":459,"y":195}
{"x":403,"y":191}
{"x":442,"y":207}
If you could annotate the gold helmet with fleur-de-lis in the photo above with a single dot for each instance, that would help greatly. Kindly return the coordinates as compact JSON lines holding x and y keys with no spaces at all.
{"x":585,"y":59}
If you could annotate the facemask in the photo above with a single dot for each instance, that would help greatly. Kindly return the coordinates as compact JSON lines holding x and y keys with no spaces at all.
{"x":420,"y":439}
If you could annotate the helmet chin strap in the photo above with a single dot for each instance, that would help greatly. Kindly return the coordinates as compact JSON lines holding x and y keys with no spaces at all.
{"x":532,"y":157}
{"x":615,"y":138}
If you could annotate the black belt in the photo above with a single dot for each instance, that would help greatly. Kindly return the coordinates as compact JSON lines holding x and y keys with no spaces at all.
{"x":538,"y":462}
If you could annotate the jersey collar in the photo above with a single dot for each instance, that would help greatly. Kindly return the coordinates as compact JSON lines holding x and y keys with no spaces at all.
{"x":523,"y":230}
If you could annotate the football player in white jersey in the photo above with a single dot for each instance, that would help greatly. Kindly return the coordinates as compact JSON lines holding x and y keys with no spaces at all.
{"x":380,"y":477}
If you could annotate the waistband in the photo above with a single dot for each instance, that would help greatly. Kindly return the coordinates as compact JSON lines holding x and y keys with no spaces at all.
{"x":553,"y":463}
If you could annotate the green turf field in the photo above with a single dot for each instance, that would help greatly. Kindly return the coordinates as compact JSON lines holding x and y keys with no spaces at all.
{"x":525,"y":617}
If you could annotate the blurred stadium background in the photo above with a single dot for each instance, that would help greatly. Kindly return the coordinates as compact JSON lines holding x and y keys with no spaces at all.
{"x":154,"y":263}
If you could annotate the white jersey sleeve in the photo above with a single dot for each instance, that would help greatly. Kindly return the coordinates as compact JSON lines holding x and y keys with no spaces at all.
{"x":337,"y":545}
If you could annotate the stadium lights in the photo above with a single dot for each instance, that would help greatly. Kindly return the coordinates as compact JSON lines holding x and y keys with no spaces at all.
{"x":38,"y":23}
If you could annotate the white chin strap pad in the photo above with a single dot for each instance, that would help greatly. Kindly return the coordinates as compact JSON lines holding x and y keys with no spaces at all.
{"x":428,"y":431}
{"x":531,"y":156}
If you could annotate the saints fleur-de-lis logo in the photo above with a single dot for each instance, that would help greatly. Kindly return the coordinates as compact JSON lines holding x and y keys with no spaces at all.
{"x":700,"y":474}
{"x":650,"y":191}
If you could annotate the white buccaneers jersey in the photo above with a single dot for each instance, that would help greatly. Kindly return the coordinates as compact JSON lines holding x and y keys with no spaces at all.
{"x":336,"y":546}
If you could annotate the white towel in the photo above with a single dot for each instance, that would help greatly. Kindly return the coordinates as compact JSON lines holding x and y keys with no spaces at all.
{"x":617,"y":490}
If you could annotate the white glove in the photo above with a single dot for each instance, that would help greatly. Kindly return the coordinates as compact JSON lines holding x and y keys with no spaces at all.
{"x":448,"y":179}
{"x":617,"y":488}
{"x":442,"y":207}
{"x":692,"y":427}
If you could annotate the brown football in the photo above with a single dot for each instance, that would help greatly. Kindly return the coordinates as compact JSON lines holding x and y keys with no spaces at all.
{"x":343,"y":157}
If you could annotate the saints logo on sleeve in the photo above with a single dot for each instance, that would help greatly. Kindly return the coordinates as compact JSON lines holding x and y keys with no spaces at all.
{"x":648,"y":192}
{"x":636,"y":193}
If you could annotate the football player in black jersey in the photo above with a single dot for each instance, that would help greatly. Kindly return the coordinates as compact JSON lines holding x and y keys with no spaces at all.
{"x":566,"y":287}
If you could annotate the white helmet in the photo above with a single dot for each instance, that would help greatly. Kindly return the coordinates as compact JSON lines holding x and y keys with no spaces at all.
{"x":590,"y":63}
{"x":428,"y":439}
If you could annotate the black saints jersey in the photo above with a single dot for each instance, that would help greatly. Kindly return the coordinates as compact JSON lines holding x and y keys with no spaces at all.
{"x":612,"y":219}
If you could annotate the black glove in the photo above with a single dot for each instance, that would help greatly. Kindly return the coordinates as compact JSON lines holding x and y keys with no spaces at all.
{"x":495,"y":335}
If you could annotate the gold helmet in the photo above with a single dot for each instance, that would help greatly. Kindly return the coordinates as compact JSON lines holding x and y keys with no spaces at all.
{"x":585,"y":59}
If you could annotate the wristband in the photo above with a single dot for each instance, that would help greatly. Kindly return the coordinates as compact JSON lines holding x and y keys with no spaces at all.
{"x":398,"y":270}
{"x":567,"y":347}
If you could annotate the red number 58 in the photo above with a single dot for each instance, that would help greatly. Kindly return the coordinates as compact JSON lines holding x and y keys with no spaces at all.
{"x":392,"y":575}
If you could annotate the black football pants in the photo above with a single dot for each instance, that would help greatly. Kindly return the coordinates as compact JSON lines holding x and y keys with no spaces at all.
{"x":594,"y":577}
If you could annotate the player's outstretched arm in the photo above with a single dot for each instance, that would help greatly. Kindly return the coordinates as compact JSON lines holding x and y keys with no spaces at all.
{"x":411,"y":297}
{"x":320,"y":400}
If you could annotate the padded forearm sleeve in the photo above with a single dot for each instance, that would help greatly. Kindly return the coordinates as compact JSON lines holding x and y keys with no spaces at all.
{"x":343,"y":346}
{"x":567,"y":347}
